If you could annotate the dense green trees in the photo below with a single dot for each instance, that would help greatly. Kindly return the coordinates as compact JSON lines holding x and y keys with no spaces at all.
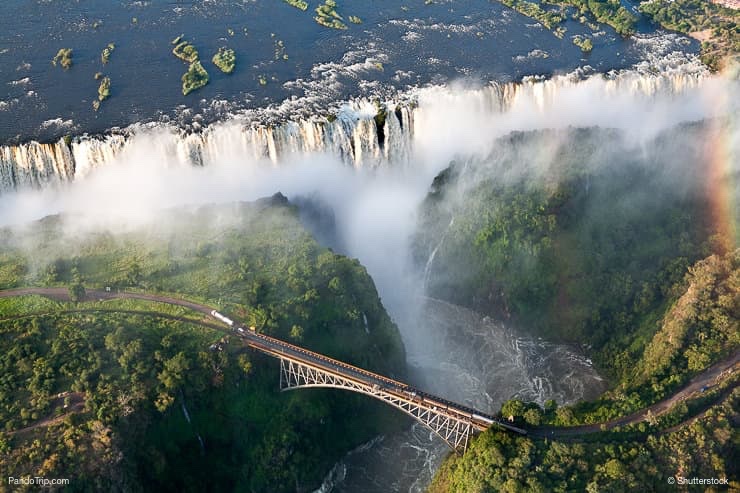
{"x":497,"y":461}
{"x":717,"y":23}
{"x":615,"y":254}
{"x":138,"y":376}
{"x":587,"y":245}
{"x":63,"y":57}
{"x":609,"y":12}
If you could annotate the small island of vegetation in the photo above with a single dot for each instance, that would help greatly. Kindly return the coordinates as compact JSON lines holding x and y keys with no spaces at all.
{"x":547,"y":18}
{"x":584,"y":43}
{"x":608,"y":12}
{"x":299,"y":4}
{"x":185,"y":52}
{"x":63,"y":57}
{"x":225,"y":60}
{"x":195,"y":78}
{"x":106,"y":53}
{"x":605,"y":11}
{"x":327,"y":16}
{"x":103,"y":90}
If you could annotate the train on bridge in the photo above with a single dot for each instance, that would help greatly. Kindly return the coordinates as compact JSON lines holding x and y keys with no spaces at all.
{"x":378,"y":382}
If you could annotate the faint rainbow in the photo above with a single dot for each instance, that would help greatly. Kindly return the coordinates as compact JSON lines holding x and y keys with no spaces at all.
{"x":720,"y":186}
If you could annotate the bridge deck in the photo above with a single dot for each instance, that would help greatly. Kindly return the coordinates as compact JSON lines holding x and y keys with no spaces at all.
{"x":278,"y":348}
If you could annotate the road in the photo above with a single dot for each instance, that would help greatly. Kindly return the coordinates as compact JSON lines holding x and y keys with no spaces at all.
{"x":62,"y":294}
{"x":707,"y":378}
{"x":277,"y":347}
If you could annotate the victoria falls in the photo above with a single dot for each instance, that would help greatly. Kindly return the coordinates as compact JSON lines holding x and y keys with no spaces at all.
{"x":279,"y":245}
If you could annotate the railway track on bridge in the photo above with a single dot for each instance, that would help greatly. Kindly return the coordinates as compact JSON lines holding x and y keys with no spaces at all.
{"x":302,"y":368}
{"x":338,"y":374}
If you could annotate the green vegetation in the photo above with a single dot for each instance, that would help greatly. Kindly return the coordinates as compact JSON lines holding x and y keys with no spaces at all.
{"x":127,"y":378}
{"x":597,"y":246}
{"x":196,"y":76}
{"x":354,"y":19}
{"x":566,"y":247}
{"x":496,"y":461}
{"x":299,"y":4}
{"x":185,"y":52}
{"x":63,"y":57}
{"x":327,"y":16}
{"x":583,"y":43}
{"x":715,"y":25}
{"x":605,"y":11}
{"x":547,"y":18}
{"x":225,"y":60}
{"x":104,"y":89}
{"x":106,"y":53}
{"x":698,"y":329}
{"x":608,"y":12}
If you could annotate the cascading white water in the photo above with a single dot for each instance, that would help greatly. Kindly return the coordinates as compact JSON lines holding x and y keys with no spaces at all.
{"x":33,"y":165}
{"x":430,"y":260}
{"x":353,"y":136}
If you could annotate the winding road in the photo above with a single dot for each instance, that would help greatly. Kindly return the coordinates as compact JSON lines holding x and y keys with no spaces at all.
{"x":706,"y":379}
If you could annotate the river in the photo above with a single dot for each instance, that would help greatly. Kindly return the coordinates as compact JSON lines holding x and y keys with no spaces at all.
{"x":470,"y":359}
{"x":395,"y":48}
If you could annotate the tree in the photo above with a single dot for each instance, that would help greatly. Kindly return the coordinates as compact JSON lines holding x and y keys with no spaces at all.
{"x":245,"y":364}
{"x":174,"y":371}
{"x":296,"y":332}
{"x":533,"y":416}
{"x":512,"y":407}
{"x":77,"y":292}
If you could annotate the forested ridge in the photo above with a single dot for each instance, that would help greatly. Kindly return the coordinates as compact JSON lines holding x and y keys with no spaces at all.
{"x":576,"y":236}
{"x":136,"y":402}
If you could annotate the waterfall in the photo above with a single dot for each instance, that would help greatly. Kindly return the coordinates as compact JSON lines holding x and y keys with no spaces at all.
{"x":187,"y":417}
{"x":352,"y":135}
{"x":33,"y":165}
{"x":430,"y":261}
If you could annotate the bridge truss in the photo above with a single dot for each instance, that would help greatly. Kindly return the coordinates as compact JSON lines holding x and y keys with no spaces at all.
{"x":454,"y":429}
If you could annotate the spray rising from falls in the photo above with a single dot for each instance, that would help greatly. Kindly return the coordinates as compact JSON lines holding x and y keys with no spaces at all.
{"x":438,"y":122}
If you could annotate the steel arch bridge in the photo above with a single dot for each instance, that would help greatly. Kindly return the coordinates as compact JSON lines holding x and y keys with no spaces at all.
{"x":455,"y":430}
{"x":301,"y":368}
